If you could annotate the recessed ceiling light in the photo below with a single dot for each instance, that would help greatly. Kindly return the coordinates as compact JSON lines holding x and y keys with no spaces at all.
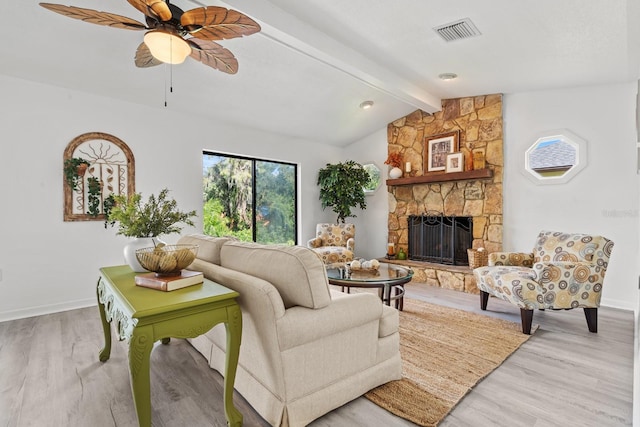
{"x":448,"y":76}
{"x":365,"y":105}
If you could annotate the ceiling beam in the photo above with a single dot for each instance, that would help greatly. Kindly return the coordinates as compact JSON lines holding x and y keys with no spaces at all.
{"x":289,"y":31}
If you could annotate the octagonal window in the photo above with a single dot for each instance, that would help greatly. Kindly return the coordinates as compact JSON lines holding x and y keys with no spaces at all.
{"x":556,"y":157}
{"x":374,"y":180}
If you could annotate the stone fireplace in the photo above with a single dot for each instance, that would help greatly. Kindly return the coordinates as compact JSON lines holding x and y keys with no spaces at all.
{"x":472,"y":193}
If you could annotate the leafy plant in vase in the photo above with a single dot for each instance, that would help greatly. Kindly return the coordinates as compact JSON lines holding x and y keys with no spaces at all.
{"x":342,"y":187}
{"x":144,"y":221}
{"x":395,"y":161}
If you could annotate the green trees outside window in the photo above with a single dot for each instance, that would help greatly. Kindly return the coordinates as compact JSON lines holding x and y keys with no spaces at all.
{"x":251,"y":199}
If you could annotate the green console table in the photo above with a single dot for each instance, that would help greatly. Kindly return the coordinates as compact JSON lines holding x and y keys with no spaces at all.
{"x":143,"y":316}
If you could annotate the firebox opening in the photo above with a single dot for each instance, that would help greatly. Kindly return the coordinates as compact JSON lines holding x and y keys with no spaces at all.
{"x":440,"y":239}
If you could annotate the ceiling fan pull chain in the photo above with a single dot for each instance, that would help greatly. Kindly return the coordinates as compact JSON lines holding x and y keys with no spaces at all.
{"x":169,"y":84}
{"x":165,"y":89}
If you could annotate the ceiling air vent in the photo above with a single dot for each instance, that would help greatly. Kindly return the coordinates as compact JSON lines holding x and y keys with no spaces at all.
{"x":458,"y":30}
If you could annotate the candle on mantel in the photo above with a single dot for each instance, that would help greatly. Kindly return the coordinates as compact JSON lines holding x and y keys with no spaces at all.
{"x":407,"y":167}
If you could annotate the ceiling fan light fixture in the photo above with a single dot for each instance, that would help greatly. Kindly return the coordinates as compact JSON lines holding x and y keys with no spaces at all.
{"x":167,"y":47}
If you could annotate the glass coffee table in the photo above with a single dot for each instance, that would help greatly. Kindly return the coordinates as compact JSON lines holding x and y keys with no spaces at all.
{"x":389,"y":279}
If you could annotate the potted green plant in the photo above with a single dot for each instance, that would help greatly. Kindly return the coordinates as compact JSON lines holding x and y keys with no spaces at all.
{"x":74,"y":170}
{"x":144,"y":221}
{"x":342,"y":187}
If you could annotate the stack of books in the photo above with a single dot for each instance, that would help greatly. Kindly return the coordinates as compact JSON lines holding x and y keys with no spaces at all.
{"x":186,"y":278}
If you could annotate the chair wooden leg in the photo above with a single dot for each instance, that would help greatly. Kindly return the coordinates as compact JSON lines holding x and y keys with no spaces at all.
{"x":592,"y":319}
{"x":484,"y":298}
{"x":527,"y":318}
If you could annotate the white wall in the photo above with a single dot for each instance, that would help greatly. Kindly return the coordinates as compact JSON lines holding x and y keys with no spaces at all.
{"x":602,"y":198}
{"x":371,"y":223}
{"x":50,"y":265}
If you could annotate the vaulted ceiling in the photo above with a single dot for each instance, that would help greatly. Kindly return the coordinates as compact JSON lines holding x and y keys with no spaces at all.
{"x":306,"y":73}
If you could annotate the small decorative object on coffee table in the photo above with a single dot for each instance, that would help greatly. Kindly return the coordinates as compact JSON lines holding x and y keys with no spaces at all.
{"x":362,"y":267}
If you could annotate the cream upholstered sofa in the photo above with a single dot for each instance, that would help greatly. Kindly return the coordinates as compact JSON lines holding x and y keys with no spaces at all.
{"x":334,"y":243}
{"x":306,"y":349}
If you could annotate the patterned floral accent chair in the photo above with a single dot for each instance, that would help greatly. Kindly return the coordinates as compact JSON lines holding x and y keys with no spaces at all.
{"x":334,"y":243}
{"x":564,"y":271}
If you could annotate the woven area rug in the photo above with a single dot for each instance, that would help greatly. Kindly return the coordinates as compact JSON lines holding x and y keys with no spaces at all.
{"x":445,"y":352}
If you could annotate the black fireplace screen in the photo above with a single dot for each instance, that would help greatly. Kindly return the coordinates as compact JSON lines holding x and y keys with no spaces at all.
{"x":440,"y":239}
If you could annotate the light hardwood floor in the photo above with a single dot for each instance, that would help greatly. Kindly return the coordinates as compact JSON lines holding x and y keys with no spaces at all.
{"x":563,"y":376}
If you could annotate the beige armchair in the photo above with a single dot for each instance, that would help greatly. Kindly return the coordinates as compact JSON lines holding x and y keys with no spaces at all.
{"x":334,"y":243}
{"x":564,"y":271}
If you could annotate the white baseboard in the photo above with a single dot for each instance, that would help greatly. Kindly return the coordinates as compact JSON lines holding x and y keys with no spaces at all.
{"x":621,"y":304}
{"x":72,"y":305}
{"x":46,"y":309}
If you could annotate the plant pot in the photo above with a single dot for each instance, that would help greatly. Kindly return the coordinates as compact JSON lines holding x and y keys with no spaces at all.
{"x":82,"y":169}
{"x":131,"y":248}
{"x":395,"y":173}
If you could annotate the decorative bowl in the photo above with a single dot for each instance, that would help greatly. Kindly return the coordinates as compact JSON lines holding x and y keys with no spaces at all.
{"x":361,"y":264}
{"x":167,"y":260}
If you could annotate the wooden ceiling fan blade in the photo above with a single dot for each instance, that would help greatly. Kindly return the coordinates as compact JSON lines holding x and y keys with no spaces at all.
{"x":217,"y":23}
{"x":96,"y":17}
{"x":144,"y":58}
{"x":161,"y":8}
{"x":156,"y":9}
{"x":213,"y":55}
{"x":141,"y":5}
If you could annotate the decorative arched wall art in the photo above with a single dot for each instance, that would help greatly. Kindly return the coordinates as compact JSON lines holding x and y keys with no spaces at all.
{"x":96,"y":165}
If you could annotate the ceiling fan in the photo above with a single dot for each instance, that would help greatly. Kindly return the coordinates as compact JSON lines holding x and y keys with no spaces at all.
{"x":168,"y":29}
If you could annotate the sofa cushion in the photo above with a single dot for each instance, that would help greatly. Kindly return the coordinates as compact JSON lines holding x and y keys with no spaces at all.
{"x":209,"y":247}
{"x":297,"y":272}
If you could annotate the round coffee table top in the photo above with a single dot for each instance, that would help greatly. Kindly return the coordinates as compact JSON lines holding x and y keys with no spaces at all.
{"x":390,"y":274}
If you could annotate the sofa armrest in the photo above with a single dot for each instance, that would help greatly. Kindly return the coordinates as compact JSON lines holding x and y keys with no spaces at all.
{"x":301,"y":325}
{"x":518,"y":259}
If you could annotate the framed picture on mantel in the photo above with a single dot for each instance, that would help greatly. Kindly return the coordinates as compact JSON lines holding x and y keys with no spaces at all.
{"x":437,"y":147}
{"x":455,"y":162}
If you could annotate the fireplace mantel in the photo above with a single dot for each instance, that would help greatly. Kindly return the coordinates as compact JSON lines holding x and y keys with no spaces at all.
{"x":442,"y":177}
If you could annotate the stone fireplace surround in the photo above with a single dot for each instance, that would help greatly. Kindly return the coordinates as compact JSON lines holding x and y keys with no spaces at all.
{"x":477,"y":193}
